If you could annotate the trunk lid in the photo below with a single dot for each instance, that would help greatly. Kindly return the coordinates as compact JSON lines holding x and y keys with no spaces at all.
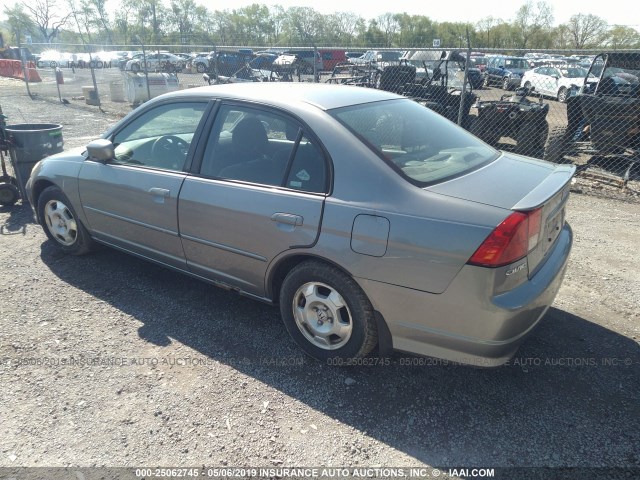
{"x":521,"y":184}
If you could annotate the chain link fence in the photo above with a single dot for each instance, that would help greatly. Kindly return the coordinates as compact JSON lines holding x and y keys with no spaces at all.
{"x":561,"y":106}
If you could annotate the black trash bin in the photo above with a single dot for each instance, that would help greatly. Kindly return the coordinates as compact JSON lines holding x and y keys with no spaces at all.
{"x":28,"y":144}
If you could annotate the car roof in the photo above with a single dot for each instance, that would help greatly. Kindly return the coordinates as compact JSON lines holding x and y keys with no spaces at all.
{"x":285,"y":94}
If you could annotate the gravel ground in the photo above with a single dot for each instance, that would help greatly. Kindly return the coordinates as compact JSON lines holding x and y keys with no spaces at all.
{"x":170,"y":371}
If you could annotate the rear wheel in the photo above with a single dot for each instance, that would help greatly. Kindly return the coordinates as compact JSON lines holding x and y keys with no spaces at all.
{"x":135,"y":68}
{"x":61,"y":224}
{"x":556,"y":146}
{"x":531,"y":139}
{"x":326,"y":313}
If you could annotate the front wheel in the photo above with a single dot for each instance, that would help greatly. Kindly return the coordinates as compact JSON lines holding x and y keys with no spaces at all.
{"x":326,"y":313}
{"x":506,"y":84}
{"x":61,"y":224}
{"x":563,"y":94}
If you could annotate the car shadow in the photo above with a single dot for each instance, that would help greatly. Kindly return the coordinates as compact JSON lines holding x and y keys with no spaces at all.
{"x":20,"y":215}
{"x":571,"y":390}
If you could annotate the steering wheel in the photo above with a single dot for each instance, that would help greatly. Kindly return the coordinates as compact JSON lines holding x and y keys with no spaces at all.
{"x":170,"y":149}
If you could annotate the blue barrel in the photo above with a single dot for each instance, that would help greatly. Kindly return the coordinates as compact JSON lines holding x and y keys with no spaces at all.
{"x":28,"y":144}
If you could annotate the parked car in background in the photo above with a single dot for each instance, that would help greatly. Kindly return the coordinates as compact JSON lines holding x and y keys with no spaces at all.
{"x":304,"y":60}
{"x":331,"y":58}
{"x":221,"y":62}
{"x":258,"y":196}
{"x":378,"y":58}
{"x":478,"y":62}
{"x":556,"y":82}
{"x":505,"y":71}
{"x":166,"y":62}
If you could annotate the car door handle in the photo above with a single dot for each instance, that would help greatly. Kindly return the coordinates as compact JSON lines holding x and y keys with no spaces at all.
{"x":159,"y":194}
{"x":287,"y":219}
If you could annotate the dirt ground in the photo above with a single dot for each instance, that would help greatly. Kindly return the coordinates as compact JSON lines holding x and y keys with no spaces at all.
{"x":106,"y":360}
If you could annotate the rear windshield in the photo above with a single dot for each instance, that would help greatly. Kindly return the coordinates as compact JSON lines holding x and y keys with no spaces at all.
{"x":418,"y":143}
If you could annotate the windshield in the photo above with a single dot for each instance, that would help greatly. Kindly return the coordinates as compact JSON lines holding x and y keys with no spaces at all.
{"x":516,"y":63}
{"x":420,"y":144}
{"x":573,"y":72}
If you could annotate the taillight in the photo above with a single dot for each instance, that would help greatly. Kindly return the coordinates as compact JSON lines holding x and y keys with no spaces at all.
{"x":516,"y":236}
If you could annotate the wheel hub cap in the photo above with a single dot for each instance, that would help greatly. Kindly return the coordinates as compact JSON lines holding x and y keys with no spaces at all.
{"x":322,"y":315}
{"x":60,"y":222}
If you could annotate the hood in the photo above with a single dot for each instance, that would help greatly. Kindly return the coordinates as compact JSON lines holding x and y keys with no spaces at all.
{"x":511,"y":182}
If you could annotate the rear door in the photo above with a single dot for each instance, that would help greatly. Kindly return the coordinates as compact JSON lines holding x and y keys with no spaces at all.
{"x":258,"y":192}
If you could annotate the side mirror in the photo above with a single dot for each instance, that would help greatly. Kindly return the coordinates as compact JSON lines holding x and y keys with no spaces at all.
{"x":101,"y":150}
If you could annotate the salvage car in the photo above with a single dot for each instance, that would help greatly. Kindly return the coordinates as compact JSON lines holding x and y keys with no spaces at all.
{"x":370,"y":219}
{"x":166,"y":62}
{"x":505,"y":71}
{"x":556,"y":82}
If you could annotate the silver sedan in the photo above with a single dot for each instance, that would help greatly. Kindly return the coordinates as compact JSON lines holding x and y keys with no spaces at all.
{"x":370,"y":220}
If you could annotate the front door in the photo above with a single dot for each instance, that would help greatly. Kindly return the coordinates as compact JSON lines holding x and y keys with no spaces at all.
{"x":132,"y":201}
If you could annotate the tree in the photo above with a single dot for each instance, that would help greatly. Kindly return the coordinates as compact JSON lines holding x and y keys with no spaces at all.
{"x":415,"y":30}
{"x":101,"y":17}
{"x":47,"y":17}
{"x":484,"y":28}
{"x":532,"y":19}
{"x":304,"y":25}
{"x":388,"y":24}
{"x":621,"y":36}
{"x":586,"y":30}
{"x":19,"y":22}
{"x":83,"y":16}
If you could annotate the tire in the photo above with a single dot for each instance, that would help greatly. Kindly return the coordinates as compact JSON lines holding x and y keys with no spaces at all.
{"x":527,"y":84}
{"x":9,"y":194}
{"x":563,"y":94}
{"x":556,"y":146}
{"x":201,"y":67}
{"x":61,"y":224}
{"x":483,"y":129}
{"x":135,"y":68}
{"x":486,"y":83}
{"x":345,"y":327}
{"x":531,"y":139}
{"x":506,"y":84}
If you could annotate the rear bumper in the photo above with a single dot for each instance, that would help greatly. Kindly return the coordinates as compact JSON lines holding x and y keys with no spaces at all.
{"x":467,"y":323}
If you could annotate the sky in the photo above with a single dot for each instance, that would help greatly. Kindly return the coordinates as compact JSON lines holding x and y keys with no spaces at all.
{"x":615,"y":12}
